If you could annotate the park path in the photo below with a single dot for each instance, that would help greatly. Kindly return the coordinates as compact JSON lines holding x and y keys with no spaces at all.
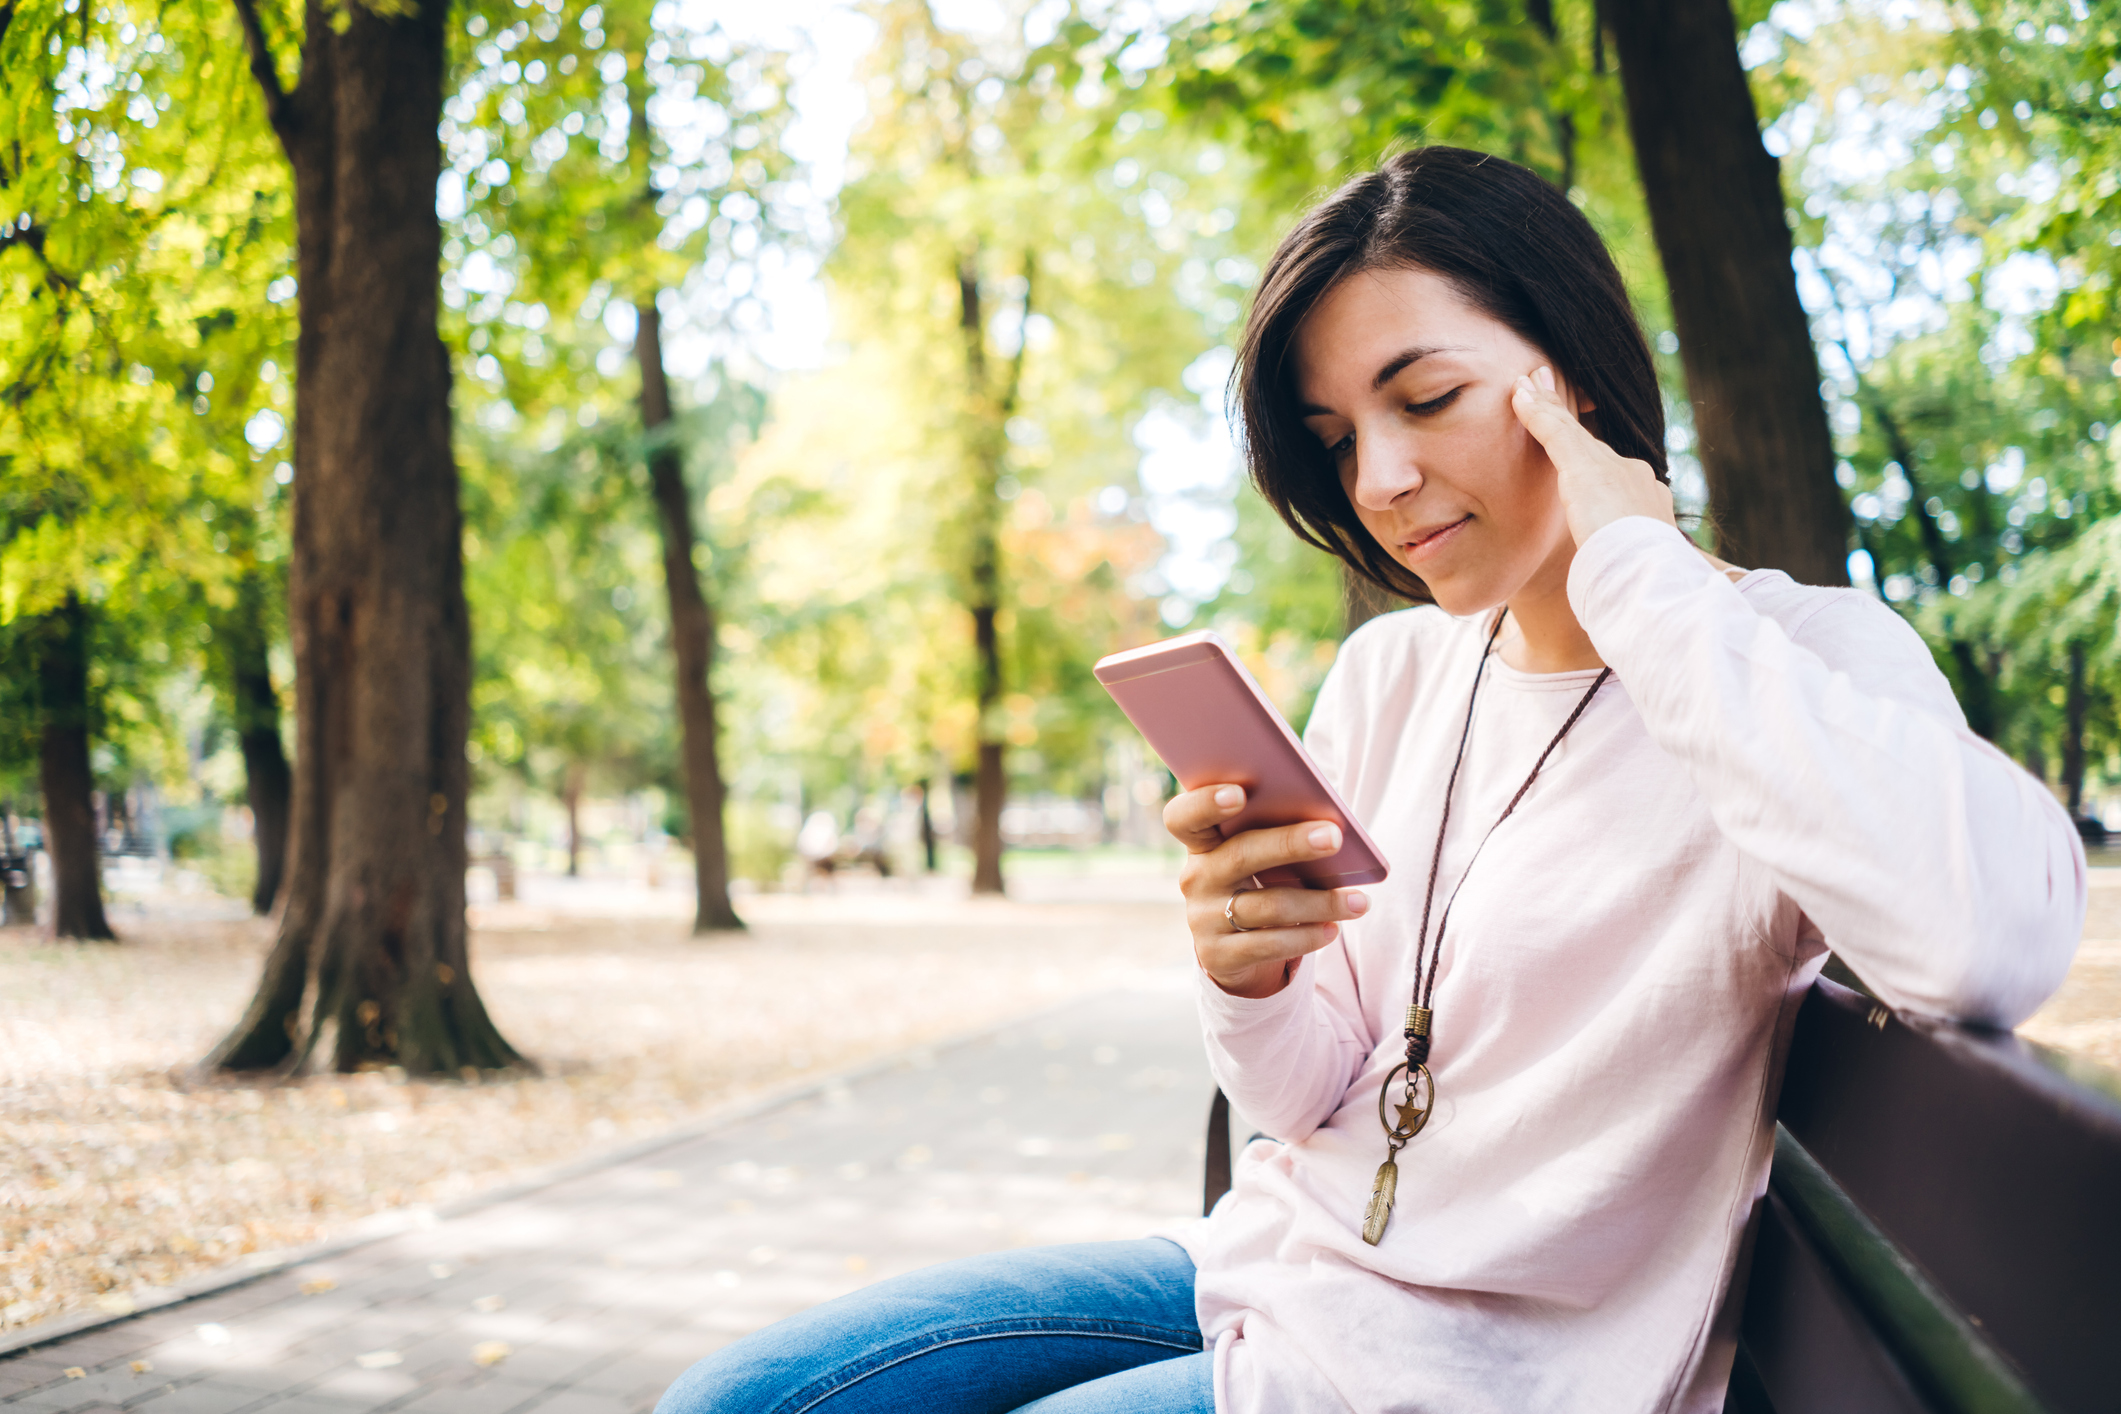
{"x":588,"y":1296}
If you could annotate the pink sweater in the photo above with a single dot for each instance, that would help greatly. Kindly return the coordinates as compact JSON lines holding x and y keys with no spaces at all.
{"x":1773,"y":771}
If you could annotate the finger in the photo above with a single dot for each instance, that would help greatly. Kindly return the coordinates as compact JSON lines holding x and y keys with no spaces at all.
{"x":1192,"y":817}
{"x":1258,"y":910}
{"x":1255,"y":850}
{"x":1545,"y":416}
{"x":1235,"y":953}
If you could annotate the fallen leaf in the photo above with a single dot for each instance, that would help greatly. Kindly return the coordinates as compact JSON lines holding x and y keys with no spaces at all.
{"x":489,"y":1352}
{"x":141,"y":1367}
{"x":75,"y":1372}
{"x":317,"y":1286}
{"x":116,"y":1304}
{"x":379,"y":1359}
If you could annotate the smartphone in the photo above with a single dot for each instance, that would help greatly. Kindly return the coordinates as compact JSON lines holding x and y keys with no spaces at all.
{"x":1205,"y":716}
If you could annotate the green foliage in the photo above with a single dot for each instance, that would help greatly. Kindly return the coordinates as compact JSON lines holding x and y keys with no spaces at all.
{"x":1111,"y":192}
{"x":1099,"y":243}
{"x":570,"y":200}
{"x":1968,"y":337}
{"x":144,"y":312}
{"x":1318,"y":89}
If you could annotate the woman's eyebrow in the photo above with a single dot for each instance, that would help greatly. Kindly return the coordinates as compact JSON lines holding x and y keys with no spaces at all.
{"x":1406,"y":358}
{"x":1393,"y":367}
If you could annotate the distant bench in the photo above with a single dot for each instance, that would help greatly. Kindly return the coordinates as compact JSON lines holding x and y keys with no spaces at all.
{"x":1942,"y":1227}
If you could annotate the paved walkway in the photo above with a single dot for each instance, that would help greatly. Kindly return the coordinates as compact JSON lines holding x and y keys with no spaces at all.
{"x":591,"y":1295}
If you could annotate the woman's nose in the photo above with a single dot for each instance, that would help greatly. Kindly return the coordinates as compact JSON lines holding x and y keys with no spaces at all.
{"x":1384,"y":473}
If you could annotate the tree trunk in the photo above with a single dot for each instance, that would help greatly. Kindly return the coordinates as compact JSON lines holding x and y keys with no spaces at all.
{"x":373,"y":934}
{"x":1716,"y":207}
{"x":990,"y":783}
{"x":987,"y":412}
{"x":244,"y":646}
{"x":2074,"y":706}
{"x":691,"y":635}
{"x":69,"y":783}
{"x":1976,"y":695}
{"x":571,"y":800}
{"x":927,"y":829}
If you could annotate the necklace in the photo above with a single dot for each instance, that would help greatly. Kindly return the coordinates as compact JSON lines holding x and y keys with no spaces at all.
{"x":1404,"y":1120}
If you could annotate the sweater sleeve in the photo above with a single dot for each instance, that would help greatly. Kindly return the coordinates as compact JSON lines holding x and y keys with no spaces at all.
{"x":1834,"y":757}
{"x":1286,"y":1061}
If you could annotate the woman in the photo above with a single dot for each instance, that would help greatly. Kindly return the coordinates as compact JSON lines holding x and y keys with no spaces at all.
{"x":1522,"y":1091}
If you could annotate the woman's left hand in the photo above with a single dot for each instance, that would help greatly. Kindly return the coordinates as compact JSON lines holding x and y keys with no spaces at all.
{"x":1598,"y":485}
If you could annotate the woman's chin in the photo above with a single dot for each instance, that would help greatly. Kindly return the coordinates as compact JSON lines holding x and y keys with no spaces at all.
{"x":1462,"y":600}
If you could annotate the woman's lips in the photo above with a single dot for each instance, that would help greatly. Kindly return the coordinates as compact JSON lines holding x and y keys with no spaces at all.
{"x":1435,"y":540}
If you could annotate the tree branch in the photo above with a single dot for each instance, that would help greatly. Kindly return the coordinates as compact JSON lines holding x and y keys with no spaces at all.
{"x":279,"y":106}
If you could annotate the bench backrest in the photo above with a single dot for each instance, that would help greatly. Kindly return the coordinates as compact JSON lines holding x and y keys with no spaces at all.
{"x":1942,"y":1229}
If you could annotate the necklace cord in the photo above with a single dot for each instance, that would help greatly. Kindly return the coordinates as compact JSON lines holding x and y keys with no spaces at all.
{"x":1450,"y":789}
{"x":1414,"y":1112}
{"x":1428,"y":960}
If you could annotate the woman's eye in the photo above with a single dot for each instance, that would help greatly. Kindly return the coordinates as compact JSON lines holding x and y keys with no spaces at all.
{"x":1342,"y":447}
{"x":1435,"y":404}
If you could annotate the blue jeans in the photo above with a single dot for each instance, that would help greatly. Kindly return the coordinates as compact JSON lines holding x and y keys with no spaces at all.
{"x":1090,"y":1328}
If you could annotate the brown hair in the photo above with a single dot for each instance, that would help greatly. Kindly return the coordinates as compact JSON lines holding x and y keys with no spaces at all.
{"x":1513,"y":246}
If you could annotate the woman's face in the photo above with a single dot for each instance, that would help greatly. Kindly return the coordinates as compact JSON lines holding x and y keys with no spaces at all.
{"x":1408,"y":386}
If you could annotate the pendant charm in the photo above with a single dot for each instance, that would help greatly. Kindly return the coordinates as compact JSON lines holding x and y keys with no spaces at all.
{"x":1379,"y":1212}
{"x":1404,"y":1119}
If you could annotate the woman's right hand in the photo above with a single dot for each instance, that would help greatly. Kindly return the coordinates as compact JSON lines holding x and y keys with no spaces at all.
{"x":1276,"y":926}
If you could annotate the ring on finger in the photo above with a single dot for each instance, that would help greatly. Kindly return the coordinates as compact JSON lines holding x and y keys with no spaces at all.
{"x":1230,"y":916}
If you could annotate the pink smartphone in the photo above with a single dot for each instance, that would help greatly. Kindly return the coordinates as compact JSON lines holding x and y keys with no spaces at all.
{"x":1209,"y":721}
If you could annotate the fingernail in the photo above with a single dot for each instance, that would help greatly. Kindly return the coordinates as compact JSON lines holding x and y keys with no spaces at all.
{"x":1546,"y":378}
{"x":1229,"y":796}
{"x":1325,"y":837}
{"x":1358,"y":901}
{"x":1524,"y":384}
{"x":1332,"y":931}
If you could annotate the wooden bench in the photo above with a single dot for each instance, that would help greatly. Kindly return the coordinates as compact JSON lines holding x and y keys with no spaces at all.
{"x":1942,"y":1227}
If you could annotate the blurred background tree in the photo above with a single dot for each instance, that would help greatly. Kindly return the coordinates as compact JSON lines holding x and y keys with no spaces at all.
{"x":141,"y":227}
{"x":876,"y":569}
{"x":606,"y":161}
